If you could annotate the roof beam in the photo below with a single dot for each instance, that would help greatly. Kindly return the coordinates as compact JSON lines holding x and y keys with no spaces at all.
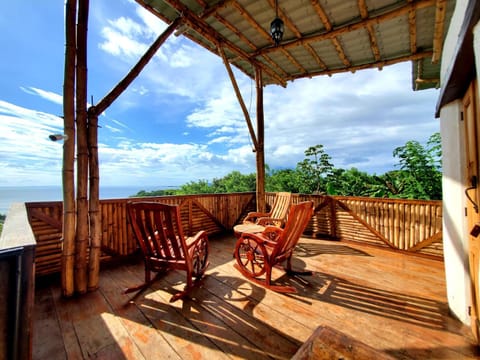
{"x":247,"y":16}
{"x":378,"y":64}
{"x":242,"y":37}
{"x":362,"y":5}
{"x":412,"y":28}
{"x":334,"y":32}
{"x":209,"y":11}
{"x":328,"y":27}
{"x":239,"y":96}
{"x":201,"y":27}
{"x":440,"y":11}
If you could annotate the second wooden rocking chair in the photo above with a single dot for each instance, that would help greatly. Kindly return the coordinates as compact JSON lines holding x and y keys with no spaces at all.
{"x":277,"y":214}
{"x":158,"y":230}
{"x":257,"y":253}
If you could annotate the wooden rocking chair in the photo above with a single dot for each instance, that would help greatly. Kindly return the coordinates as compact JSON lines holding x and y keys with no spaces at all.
{"x":277,"y":214}
{"x":256,"y":254}
{"x":159,"y":234}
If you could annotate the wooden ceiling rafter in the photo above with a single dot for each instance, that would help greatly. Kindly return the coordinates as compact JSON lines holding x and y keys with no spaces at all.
{"x":350,"y":27}
{"x":249,"y":18}
{"x":242,"y":37}
{"x":205,"y":30}
{"x":209,"y":11}
{"x":378,"y":64}
{"x":441,"y":7}
{"x":328,"y":27}
{"x":412,"y":29}
{"x":326,"y":31}
{"x":362,"y":5}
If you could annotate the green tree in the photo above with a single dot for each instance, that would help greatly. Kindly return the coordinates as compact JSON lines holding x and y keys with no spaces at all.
{"x":420,"y":167}
{"x":314,"y":168}
{"x":283,"y":180}
{"x":163,"y":192}
{"x":235,"y":182}
{"x":350,"y":182}
{"x":198,"y":187}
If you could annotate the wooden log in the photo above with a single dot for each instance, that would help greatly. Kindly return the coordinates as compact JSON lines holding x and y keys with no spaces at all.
{"x":260,"y":154}
{"x":68,"y":259}
{"x":135,"y":71}
{"x":94,"y":205}
{"x":82,"y":236}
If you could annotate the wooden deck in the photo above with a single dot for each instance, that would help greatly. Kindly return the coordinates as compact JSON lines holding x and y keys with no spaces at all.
{"x":389,"y":301}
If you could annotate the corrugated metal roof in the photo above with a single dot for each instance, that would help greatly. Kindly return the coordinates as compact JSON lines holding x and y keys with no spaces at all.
{"x":321,"y":37}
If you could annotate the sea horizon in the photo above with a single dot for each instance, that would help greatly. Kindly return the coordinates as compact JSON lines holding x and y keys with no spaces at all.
{"x":13,"y":194}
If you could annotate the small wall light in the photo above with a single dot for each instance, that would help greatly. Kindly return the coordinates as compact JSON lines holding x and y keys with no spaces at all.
{"x":58,"y":137}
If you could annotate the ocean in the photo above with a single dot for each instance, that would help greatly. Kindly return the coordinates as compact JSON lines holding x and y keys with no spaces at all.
{"x":11,"y":194}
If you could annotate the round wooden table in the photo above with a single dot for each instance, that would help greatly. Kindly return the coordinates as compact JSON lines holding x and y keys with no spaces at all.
{"x":239,"y":229}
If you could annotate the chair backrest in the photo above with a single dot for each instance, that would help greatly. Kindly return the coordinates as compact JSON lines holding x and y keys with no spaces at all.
{"x":298,"y":217}
{"x":158,"y":230}
{"x":281,"y":205}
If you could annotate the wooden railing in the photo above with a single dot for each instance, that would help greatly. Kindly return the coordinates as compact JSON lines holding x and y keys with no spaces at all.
{"x":404,"y":225}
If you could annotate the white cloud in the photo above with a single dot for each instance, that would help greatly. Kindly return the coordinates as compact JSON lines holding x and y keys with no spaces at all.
{"x":27,"y":154}
{"x":47,"y":95}
{"x":119,"y":43}
{"x":359,"y":118}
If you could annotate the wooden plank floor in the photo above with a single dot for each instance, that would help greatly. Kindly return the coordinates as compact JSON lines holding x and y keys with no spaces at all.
{"x":391,"y":302}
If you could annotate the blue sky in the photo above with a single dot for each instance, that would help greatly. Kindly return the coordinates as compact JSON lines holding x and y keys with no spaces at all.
{"x":180,"y":120}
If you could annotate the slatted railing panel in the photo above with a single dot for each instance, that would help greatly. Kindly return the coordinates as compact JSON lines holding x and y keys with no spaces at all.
{"x":407,"y":225}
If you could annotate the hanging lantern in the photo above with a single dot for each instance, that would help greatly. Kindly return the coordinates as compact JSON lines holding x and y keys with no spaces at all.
{"x":276,"y":30}
{"x":276,"y":27}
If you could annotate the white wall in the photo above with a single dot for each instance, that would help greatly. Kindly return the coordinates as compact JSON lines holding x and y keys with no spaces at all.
{"x":455,"y":240}
{"x":455,"y":231}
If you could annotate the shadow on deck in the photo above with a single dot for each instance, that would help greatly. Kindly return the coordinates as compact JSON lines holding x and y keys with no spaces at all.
{"x":389,"y":301}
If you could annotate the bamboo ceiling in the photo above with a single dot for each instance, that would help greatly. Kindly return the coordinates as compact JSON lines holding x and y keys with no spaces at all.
{"x":322,"y":37}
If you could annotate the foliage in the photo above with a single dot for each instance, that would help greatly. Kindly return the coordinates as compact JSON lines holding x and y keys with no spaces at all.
{"x":283,"y":180}
{"x":350,"y":183}
{"x":419,"y":177}
{"x":421,"y":169}
{"x":234,"y":182}
{"x":313,"y":169}
{"x":144,"y":193}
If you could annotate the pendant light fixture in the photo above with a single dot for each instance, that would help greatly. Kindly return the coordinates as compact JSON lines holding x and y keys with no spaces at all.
{"x":276,"y":27}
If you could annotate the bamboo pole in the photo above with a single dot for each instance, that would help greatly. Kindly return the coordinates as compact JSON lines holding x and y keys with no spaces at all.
{"x":94,"y":205}
{"x":69,"y":151}
{"x":135,"y":71}
{"x":239,"y":96}
{"x":82,"y":236}
{"x":260,"y":143}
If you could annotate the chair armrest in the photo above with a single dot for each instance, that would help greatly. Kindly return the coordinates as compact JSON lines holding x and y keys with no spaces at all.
{"x":192,"y":240}
{"x":265,"y":221}
{"x":253,"y":216}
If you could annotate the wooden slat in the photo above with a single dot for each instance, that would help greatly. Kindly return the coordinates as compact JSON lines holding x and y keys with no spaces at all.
{"x":402,"y":224}
{"x":393,"y":303}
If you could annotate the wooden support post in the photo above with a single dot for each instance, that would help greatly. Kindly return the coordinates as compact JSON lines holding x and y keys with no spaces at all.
{"x":69,"y":150}
{"x":239,"y":96}
{"x":82,"y":236}
{"x":260,"y":143}
{"x":93,"y":112}
{"x":94,"y":205}
{"x":135,"y":71}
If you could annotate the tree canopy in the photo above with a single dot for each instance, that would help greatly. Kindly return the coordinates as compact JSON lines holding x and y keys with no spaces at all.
{"x":419,"y":176}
